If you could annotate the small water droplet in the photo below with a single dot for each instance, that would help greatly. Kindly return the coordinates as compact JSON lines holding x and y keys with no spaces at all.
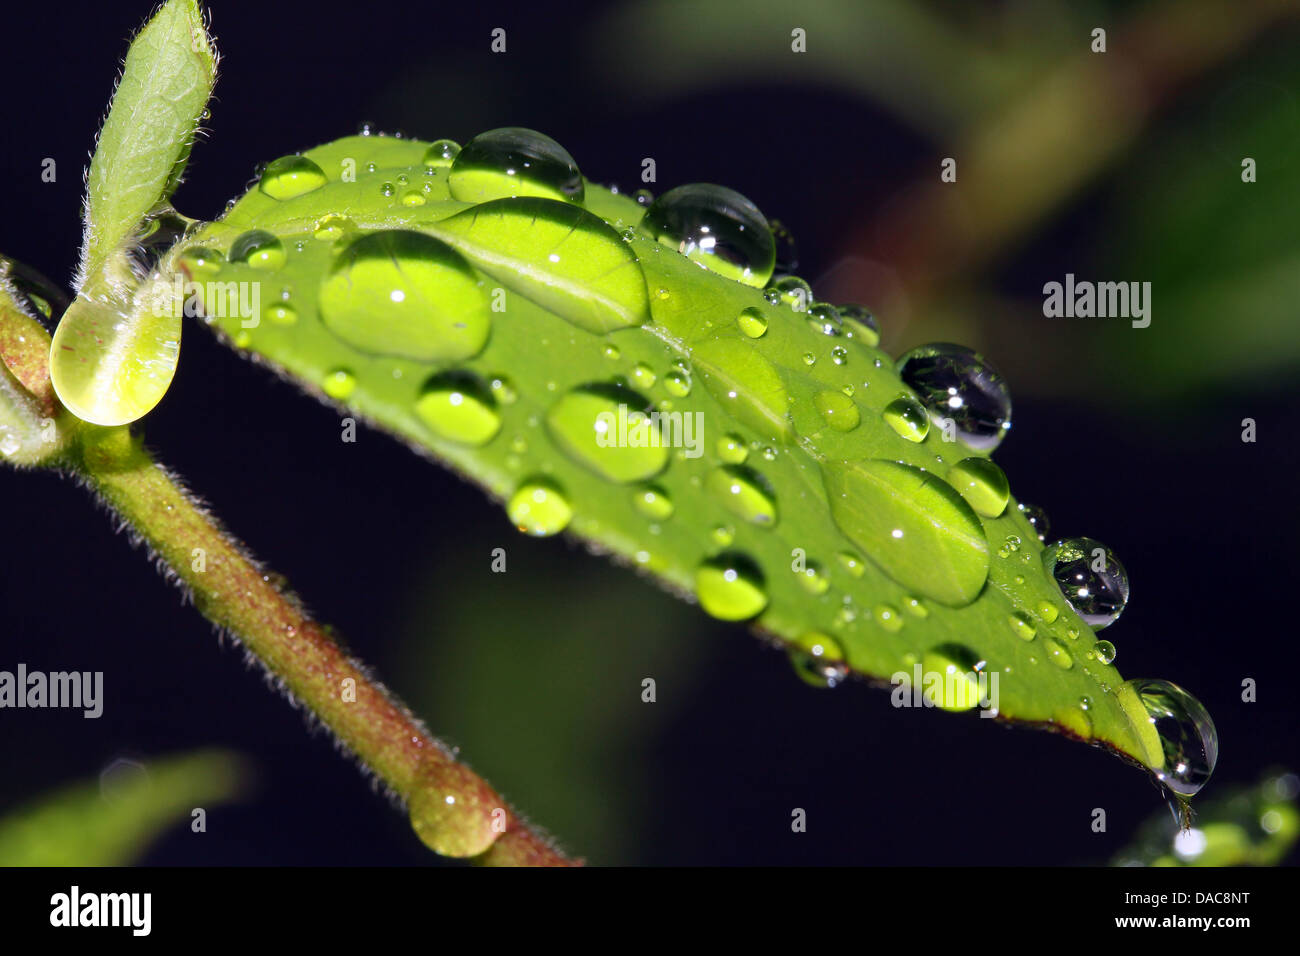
{"x":539,"y":507}
{"x":1057,"y":654}
{"x":291,"y":176}
{"x":907,"y":417}
{"x":643,"y":375}
{"x":677,"y":383}
{"x":888,"y":617}
{"x":814,"y":579}
{"x":861,"y":324}
{"x":332,"y":227}
{"x":458,"y":407}
{"x":723,"y":535}
{"x":791,"y":291}
{"x":752,"y":323}
{"x":730,"y":587}
{"x":441,"y":152}
{"x":824,"y":318}
{"x":732,"y":450}
{"x":984,"y":487}
{"x":1022,"y":626}
{"x":1104,"y":651}
{"x":745,"y":493}
{"x":1037,"y":517}
{"x":818,"y":659}
{"x":339,"y":384}
{"x":653,"y":502}
{"x":837,"y":410}
{"x":503,"y":390}
{"x":258,"y":249}
{"x":852,"y":563}
{"x":951,"y":677}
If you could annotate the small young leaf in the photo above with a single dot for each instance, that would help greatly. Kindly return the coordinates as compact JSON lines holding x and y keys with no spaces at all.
{"x":146,"y":139}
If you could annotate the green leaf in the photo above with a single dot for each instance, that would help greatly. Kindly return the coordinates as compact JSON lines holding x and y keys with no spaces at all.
{"x":111,"y":821}
{"x":146,"y":139}
{"x":796,"y":477}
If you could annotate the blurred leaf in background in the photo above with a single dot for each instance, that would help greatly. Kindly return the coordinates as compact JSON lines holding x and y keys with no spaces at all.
{"x":110,"y":821}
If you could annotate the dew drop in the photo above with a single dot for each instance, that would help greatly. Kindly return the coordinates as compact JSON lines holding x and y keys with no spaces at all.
{"x":1037,"y":518}
{"x":860,"y":323}
{"x":339,"y":384}
{"x":818,"y":659}
{"x":405,"y":294}
{"x":1104,"y":651}
{"x":441,"y":152}
{"x":653,"y":502}
{"x":912,"y":524}
{"x":907,"y":417}
{"x":792,"y":292}
{"x":291,"y":176}
{"x":1091,"y":579}
{"x":449,"y":810}
{"x":954,"y":382}
{"x":677,"y":383}
{"x":258,"y":249}
{"x":852,"y":563}
{"x":1057,"y":654}
{"x":837,"y":410}
{"x":460,"y":408}
{"x":730,"y":587}
{"x":198,"y":262}
{"x":1021,"y":626}
{"x":643,"y":375}
{"x":604,"y":429}
{"x":813,"y":579}
{"x":888,"y":617}
{"x":716,"y":227}
{"x":503,"y":390}
{"x":745,"y":493}
{"x":513,"y":161}
{"x":732,"y":449}
{"x":539,"y":508}
{"x":951,"y":678}
{"x":1188,"y":739}
{"x":983,"y":485}
{"x":752,"y":323}
{"x":824,"y":319}
{"x":723,"y":535}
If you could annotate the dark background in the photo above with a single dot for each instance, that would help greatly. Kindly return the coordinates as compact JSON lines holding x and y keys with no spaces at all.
{"x":537,"y":672}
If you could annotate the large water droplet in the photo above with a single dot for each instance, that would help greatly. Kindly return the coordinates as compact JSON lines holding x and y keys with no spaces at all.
{"x":458,"y":407}
{"x":745,"y":493}
{"x":954,"y":382}
{"x":730,"y":587}
{"x":745,"y":383}
{"x":405,"y":294}
{"x":716,"y":227}
{"x":838,"y":410}
{"x":1091,"y":579}
{"x":539,"y":507}
{"x":291,"y":176}
{"x":983,"y":484}
{"x":558,"y":255}
{"x":111,"y":366}
{"x":913,"y":525}
{"x":606,"y":429}
{"x":1188,"y":739}
{"x":513,"y":161}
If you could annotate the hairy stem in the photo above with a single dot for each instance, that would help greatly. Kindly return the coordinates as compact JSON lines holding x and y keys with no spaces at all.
{"x":234,"y":592}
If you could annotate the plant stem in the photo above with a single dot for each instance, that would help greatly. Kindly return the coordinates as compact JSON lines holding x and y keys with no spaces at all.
{"x":234,"y":592}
